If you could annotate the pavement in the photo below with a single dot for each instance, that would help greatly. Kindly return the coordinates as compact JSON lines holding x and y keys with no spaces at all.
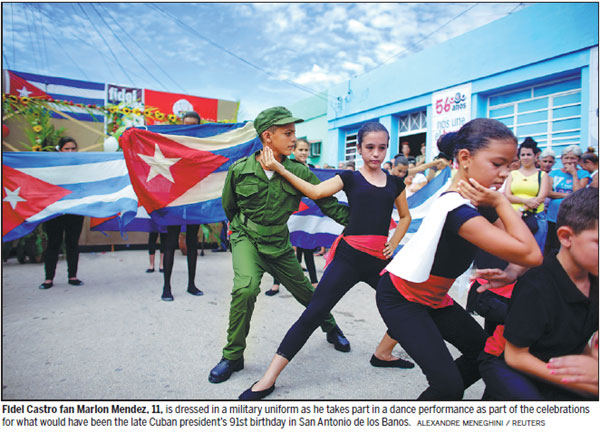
{"x":113,"y":338}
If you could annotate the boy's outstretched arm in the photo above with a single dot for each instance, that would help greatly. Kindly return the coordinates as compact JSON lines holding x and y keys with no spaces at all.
{"x":521,"y":359}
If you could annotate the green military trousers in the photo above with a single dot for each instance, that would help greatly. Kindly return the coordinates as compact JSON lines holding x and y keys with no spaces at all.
{"x":248,"y":267}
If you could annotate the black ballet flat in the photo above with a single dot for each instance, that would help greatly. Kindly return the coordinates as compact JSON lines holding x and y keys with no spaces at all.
{"x":195,"y":292}
{"x":149,"y":270}
{"x":161,"y":270}
{"x":45,"y":286}
{"x":398,"y":363}
{"x":271,"y":292}
{"x":76,"y":282}
{"x":250,"y":395}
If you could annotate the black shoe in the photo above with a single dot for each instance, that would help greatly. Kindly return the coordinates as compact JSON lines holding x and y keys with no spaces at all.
{"x":250,"y":395}
{"x":223,"y":370}
{"x":45,"y":286}
{"x":167,"y":296}
{"x":398,"y":363}
{"x":271,"y":292}
{"x":76,"y":282}
{"x":336,"y":337}
{"x":194,"y":291}
{"x":161,"y":270}
{"x":149,"y":270}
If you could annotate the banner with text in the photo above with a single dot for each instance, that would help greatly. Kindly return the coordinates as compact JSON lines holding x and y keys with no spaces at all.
{"x":451,"y":110}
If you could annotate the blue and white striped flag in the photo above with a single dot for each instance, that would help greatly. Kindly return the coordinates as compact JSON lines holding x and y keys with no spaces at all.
{"x":38,"y":186}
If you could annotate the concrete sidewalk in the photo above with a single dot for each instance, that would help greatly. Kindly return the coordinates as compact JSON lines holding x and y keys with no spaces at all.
{"x":113,"y":338}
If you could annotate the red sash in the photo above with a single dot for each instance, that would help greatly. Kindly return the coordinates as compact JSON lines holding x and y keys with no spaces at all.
{"x":495,"y":344}
{"x":370,"y":244}
{"x":433,"y":292}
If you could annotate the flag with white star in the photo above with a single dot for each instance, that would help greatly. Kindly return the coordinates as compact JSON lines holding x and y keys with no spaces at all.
{"x":178,"y":171}
{"x":38,"y":186}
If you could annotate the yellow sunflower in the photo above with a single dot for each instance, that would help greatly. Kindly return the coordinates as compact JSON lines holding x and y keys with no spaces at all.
{"x":36,"y":148}
{"x":113,"y":109}
{"x":137,"y":111}
{"x":126,"y":110}
{"x":159,"y":115}
{"x":172,"y":117}
{"x":37,"y":128}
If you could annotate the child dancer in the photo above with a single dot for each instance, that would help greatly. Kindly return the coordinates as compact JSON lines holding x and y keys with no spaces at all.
{"x":412,"y":297}
{"x":359,"y":254}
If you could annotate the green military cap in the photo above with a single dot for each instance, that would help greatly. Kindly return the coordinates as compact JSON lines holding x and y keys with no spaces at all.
{"x":274,"y":116}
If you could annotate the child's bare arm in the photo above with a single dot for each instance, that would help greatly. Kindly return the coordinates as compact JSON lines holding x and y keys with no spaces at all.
{"x":326,"y":188}
{"x":521,"y":359}
{"x":516,"y":244}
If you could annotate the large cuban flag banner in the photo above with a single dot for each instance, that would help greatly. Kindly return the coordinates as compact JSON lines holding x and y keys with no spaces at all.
{"x":178,"y":171}
{"x":84,"y":93}
{"x":38,"y":186}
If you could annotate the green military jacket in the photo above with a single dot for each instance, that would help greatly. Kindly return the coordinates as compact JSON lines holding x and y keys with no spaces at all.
{"x":260,"y":208}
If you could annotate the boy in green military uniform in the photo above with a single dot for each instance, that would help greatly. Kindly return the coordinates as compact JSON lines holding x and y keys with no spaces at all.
{"x":258,"y":205}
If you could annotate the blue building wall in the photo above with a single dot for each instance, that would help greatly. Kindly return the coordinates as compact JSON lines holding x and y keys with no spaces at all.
{"x":314,"y":128}
{"x":540,"y":43}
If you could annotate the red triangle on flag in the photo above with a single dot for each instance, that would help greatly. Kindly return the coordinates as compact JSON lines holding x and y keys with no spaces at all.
{"x":21,"y":87}
{"x":24,"y":195}
{"x":303,"y":206}
{"x":161,"y":169}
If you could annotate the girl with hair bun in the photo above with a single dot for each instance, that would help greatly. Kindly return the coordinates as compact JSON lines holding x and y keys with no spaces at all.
{"x":359,"y":254}
{"x":412,"y":295}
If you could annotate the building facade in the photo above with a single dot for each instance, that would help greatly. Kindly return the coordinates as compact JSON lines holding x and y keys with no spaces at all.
{"x":535,"y":70}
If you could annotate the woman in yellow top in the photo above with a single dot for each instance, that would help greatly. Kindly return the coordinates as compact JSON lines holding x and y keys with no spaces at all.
{"x":527,"y":187}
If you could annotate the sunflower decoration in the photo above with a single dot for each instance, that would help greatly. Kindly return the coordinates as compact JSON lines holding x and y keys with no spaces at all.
{"x":41,"y":133}
{"x":159,"y":116}
{"x":172,"y":118}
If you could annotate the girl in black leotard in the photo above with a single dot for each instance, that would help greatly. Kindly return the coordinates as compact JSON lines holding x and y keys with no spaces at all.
{"x":361,"y":253}
{"x":412,"y":297}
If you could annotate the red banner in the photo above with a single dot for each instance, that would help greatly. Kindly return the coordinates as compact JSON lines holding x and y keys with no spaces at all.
{"x":176,"y":103}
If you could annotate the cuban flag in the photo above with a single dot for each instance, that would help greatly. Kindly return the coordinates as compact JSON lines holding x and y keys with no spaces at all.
{"x":309,"y":227}
{"x":38,"y":186}
{"x":178,"y":171}
{"x":79,"y":93}
{"x":419,"y":204}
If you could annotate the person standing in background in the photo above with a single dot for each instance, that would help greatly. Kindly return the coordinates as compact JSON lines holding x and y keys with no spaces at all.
{"x":191,"y":241}
{"x":70,"y":226}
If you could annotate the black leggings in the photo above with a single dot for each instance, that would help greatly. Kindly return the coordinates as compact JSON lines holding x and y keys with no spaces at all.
{"x":71,"y":226}
{"x":347,"y":268}
{"x":191,"y":241}
{"x":309,"y":259}
{"x":152,"y":237}
{"x":421,"y":331}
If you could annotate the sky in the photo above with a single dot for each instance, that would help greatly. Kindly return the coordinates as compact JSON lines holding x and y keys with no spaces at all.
{"x":260,"y":54}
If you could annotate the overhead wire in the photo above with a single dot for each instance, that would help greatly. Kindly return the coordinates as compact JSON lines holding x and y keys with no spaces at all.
{"x":28,"y":26}
{"x":63,"y":49}
{"x":12,"y":26}
{"x":424,"y":38}
{"x":41,"y":33}
{"x":241,"y":59}
{"x":107,"y":45}
{"x":134,"y":57}
{"x":141,"y":48}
